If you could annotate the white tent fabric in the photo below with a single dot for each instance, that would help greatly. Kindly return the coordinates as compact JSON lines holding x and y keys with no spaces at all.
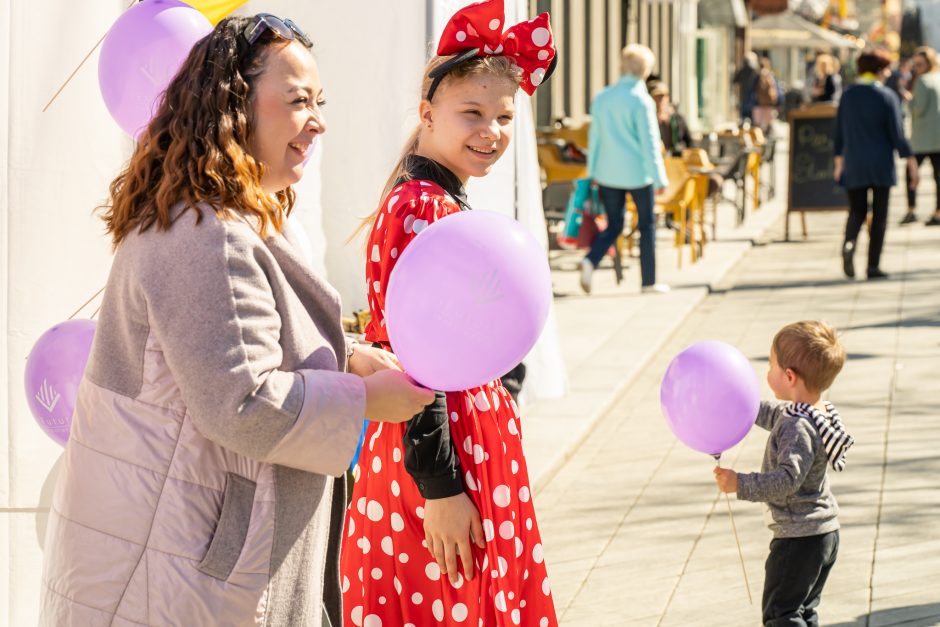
{"x":55,"y":168}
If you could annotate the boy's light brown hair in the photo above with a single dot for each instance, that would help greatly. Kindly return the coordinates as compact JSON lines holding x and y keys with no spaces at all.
{"x":811,"y":349}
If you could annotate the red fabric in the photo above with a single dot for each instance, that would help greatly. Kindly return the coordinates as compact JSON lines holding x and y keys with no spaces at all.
{"x":479,"y":25}
{"x":389,"y":577}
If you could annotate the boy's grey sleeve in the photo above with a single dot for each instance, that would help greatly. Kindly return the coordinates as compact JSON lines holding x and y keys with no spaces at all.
{"x":768,"y":414}
{"x":795,"y":456}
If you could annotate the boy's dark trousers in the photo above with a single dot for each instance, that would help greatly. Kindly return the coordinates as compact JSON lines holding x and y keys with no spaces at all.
{"x":796,"y":571}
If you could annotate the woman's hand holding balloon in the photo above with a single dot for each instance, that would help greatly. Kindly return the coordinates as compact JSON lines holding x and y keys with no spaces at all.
{"x":366,"y":360}
{"x":392,"y":396}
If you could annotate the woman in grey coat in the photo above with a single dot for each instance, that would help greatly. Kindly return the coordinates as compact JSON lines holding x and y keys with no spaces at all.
{"x":203,"y":480}
{"x":925,"y":126}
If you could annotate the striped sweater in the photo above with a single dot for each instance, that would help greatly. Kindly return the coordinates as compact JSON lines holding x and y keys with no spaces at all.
{"x":793,"y":481}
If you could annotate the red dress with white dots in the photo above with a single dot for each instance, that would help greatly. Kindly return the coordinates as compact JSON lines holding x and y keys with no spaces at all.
{"x":388,"y":576}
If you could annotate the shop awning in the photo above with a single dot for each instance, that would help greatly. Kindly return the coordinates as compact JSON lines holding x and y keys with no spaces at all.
{"x":722,"y":13}
{"x":788,"y":30}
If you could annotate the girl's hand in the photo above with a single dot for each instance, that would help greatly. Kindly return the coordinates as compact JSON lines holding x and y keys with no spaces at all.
{"x":726,"y":479}
{"x":837,"y":169}
{"x":366,"y":360}
{"x":450,"y":525}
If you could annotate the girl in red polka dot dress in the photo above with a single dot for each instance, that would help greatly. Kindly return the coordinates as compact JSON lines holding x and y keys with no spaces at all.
{"x":451,"y":487}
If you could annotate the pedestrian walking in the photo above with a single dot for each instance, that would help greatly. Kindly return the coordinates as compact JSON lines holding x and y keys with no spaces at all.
{"x":767,"y":94}
{"x":437,"y":535}
{"x":744,"y":78}
{"x":900,"y":82}
{"x":867,"y":133}
{"x":827,"y":86}
{"x":806,"y":438}
{"x":925,"y":128}
{"x":625,"y":156}
{"x":202,"y":483}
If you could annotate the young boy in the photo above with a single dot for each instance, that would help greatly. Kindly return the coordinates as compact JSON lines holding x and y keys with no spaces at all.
{"x":806,"y":436}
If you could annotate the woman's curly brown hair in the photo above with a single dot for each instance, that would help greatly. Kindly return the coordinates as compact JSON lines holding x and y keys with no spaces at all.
{"x":196,"y":147}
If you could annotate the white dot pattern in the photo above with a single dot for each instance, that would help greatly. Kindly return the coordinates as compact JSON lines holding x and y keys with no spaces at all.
{"x":510,"y":583}
{"x":540,"y":37}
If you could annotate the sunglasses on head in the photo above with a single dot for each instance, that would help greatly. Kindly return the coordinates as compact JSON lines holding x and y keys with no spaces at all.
{"x":285,"y":29}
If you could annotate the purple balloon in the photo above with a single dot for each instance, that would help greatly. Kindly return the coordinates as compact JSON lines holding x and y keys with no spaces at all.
{"x":308,"y":155}
{"x":141,"y":54}
{"x":53,"y":371}
{"x":710,"y":396}
{"x":467,"y":300}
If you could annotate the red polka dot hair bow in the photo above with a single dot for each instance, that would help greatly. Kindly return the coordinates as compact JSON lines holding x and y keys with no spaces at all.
{"x":476,"y":31}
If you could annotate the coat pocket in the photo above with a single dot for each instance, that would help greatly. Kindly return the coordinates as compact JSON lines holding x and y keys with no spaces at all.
{"x":232,"y":528}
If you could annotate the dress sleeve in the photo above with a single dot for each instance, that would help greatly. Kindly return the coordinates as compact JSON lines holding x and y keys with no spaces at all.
{"x":429,"y":457}
{"x":406,"y":212}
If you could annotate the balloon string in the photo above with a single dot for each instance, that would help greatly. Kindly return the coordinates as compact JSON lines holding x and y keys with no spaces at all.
{"x":75,"y":71}
{"x":85,"y":304}
{"x":747,"y":585}
{"x":734,"y":530}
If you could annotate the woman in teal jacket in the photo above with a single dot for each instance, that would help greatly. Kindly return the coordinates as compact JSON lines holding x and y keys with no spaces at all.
{"x":625,"y":156}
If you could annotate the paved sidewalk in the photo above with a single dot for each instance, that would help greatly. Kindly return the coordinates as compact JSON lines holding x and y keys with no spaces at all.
{"x":609,"y":336}
{"x":634,"y":529}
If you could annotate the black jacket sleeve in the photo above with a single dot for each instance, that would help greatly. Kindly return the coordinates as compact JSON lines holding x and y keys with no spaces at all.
{"x":430,"y":457}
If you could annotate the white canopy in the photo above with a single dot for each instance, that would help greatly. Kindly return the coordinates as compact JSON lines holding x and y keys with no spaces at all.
{"x":55,"y":168}
{"x":788,"y":30}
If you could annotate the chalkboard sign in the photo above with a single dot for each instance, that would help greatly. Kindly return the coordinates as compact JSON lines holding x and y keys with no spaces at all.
{"x":810,"y":183}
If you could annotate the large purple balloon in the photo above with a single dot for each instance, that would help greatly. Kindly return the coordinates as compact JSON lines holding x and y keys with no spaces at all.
{"x":53,"y":371}
{"x":710,"y":396}
{"x":467,"y":300}
{"x":140,"y":56}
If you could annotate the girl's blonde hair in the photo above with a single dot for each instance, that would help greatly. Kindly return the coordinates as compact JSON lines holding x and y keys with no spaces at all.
{"x":497,"y":66}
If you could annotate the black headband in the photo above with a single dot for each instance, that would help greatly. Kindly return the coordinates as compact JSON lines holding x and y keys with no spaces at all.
{"x":437,"y":74}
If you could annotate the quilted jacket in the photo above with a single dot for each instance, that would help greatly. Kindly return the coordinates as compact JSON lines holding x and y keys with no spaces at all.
{"x":198,"y":485}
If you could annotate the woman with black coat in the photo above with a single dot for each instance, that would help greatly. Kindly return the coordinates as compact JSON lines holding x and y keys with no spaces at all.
{"x":867,"y":133}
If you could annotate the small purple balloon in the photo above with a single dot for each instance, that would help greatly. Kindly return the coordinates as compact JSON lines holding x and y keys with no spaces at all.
{"x":54,"y":369}
{"x":467,"y":299}
{"x":141,"y":54}
{"x":308,"y":154}
{"x":710,"y":396}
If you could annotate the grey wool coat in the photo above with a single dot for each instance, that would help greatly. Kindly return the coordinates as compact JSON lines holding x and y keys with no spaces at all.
{"x":198,"y":485}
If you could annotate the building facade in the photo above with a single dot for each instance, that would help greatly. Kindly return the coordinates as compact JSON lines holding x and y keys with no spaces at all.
{"x":697,"y":44}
